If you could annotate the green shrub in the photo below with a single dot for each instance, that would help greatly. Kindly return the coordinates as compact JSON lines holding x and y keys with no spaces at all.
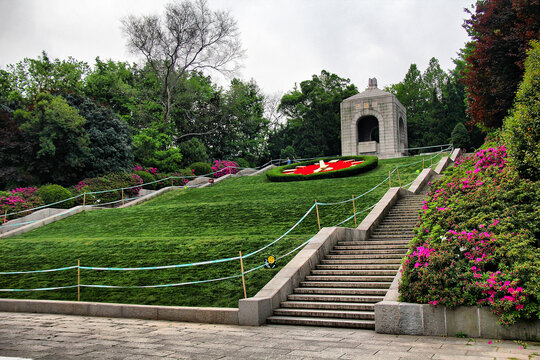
{"x":147,"y":178}
{"x":522,"y":127}
{"x":369,"y":162}
{"x":201,"y":168}
{"x":460,"y":137}
{"x":193,"y":150}
{"x":53,"y":193}
{"x":243,"y":163}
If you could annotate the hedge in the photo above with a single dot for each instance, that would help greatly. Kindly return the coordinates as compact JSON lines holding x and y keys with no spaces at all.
{"x":369,"y":162}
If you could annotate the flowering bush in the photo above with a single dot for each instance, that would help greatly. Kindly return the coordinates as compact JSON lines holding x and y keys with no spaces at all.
{"x":476,"y":241}
{"x":224,"y":167}
{"x":17,"y":200}
{"x":150,"y":170}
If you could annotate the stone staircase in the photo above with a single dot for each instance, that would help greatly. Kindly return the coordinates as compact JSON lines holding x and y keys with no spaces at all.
{"x":341,"y":291}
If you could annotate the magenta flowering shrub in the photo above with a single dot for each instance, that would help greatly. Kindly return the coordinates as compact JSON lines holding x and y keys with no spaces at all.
{"x":17,"y":200}
{"x":224,"y":167}
{"x":150,"y":170}
{"x":476,"y":243}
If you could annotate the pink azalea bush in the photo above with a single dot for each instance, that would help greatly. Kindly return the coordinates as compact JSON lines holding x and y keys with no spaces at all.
{"x":224,"y":167}
{"x":476,"y":241}
{"x":17,"y":200}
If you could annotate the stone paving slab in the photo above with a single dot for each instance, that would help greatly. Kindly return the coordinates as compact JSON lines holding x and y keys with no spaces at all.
{"x":45,"y":336}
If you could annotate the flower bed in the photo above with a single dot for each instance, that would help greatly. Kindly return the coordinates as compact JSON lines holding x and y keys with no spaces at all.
{"x":339,"y":168}
{"x":476,"y":242}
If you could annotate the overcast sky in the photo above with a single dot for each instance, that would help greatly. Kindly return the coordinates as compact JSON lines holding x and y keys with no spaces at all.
{"x":286,"y":41}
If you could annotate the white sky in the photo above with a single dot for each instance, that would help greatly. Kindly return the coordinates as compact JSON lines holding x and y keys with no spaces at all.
{"x":287,"y":41}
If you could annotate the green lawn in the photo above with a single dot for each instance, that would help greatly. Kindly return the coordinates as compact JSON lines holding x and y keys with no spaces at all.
{"x":184,"y":226}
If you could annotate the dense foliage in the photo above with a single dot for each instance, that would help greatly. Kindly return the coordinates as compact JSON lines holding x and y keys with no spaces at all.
{"x":477,"y":240}
{"x":522,"y":127}
{"x":313,"y":117}
{"x":51,"y":194}
{"x":500,"y":31}
{"x":435,"y":103}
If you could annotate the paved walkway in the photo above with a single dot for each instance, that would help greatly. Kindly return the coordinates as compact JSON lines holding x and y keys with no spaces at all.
{"x":39,"y":336}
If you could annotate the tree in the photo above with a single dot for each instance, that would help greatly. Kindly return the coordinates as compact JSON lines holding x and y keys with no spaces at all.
{"x":500,"y":32}
{"x":313,"y":115}
{"x":33,"y":76}
{"x":109,"y":138}
{"x":460,"y":137}
{"x":192,"y":150}
{"x":188,"y":37}
{"x":61,"y":143}
{"x":522,"y":127}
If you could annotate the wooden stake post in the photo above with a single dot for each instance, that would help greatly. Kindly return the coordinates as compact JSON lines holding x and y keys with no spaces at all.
{"x":389,"y":178}
{"x":318,"y":218}
{"x":122,"y":196}
{"x":243,"y":279}
{"x":4,"y":222}
{"x":399,"y":177}
{"x":354,"y":210}
{"x":84,"y":199}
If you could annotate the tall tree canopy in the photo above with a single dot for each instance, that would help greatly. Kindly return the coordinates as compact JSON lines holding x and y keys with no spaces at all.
{"x":501,"y":31}
{"x":188,"y":37}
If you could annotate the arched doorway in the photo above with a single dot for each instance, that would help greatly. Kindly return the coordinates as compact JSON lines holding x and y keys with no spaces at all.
{"x":368,"y":129}
{"x":402,"y":135}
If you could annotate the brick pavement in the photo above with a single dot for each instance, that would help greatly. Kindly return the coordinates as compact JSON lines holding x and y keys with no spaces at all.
{"x":44,"y":336}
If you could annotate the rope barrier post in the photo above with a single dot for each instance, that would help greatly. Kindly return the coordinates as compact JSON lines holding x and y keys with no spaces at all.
{"x":318,"y":218}
{"x":84,"y":199}
{"x":78,"y":280}
{"x":243,"y":279}
{"x":122,"y":196}
{"x":354,"y":210}
{"x":399,"y":177}
{"x":431,"y":161}
{"x":389,"y":179}
{"x":172,"y":182}
{"x":423,"y":162}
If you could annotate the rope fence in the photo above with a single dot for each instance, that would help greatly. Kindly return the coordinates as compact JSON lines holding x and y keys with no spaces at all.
{"x":78,"y":267}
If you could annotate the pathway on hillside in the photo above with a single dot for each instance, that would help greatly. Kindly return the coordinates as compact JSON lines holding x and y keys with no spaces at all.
{"x":40,"y":336}
{"x":343,"y":289}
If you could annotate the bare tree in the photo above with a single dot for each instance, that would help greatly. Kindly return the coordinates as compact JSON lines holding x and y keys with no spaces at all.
{"x":188,"y":37}
{"x":272,"y":111}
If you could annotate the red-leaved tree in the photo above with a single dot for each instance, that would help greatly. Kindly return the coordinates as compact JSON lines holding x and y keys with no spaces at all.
{"x":501,"y":31}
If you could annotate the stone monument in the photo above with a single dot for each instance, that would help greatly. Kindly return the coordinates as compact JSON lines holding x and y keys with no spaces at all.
{"x":373,"y":122}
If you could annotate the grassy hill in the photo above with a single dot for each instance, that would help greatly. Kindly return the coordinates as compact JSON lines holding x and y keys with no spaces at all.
{"x":184,"y":226}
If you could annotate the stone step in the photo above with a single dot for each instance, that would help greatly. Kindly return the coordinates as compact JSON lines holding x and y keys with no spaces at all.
{"x":357,"y":267}
{"x":372,"y":242}
{"x":353,"y":272}
{"x":373,"y":248}
{"x":327,"y":305}
{"x":371,"y":253}
{"x":340,"y":291}
{"x":344,"y":284}
{"x":349,"y":278}
{"x":359,"y":257}
{"x":352,"y":261}
{"x":396,"y":227}
{"x":368,"y":252}
{"x":378,"y":236}
{"x":316,"y":313}
{"x":335,"y":298}
{"x":347,"y":323}
{"x":399,"y":221}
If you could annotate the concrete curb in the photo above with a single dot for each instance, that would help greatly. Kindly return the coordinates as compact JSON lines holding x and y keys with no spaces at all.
{"x":263,"y":170}
{"x":148,"y":312}
{"x":255,"y":310}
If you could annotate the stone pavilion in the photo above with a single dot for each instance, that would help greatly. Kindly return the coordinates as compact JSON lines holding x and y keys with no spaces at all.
{"x":373,"y":122}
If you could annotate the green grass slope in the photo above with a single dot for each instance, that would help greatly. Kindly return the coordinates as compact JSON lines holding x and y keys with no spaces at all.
{"x":184,"y":226}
